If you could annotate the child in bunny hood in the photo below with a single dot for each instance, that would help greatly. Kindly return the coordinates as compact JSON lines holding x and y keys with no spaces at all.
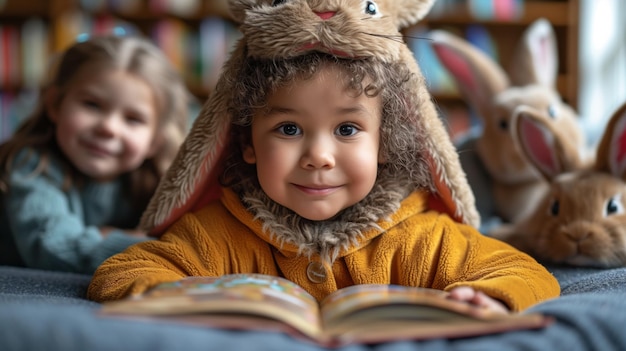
{"x":329,"y":176}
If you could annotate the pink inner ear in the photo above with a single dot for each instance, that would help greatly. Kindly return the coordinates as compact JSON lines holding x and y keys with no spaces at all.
{"x":539,"y":145}
{"x":457,"y":66}
{"x":442,"y":201}
{"x":621,"y":147}
{"x":619,"y":144}
{"x":206,"y":189}
{"x":544,"y":45}
{"x":621,"y":151}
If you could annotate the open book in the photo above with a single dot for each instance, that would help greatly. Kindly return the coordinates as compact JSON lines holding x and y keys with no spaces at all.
{"x":355,"y":314}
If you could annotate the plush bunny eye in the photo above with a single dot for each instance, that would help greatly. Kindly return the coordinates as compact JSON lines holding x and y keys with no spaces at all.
{"x":503,"y":124}
{"x":278,"y":2}
{"x":371,"y":8}
{"x":613,"y":206}
{"x":552,"y":111}
{"x":555,"y":208}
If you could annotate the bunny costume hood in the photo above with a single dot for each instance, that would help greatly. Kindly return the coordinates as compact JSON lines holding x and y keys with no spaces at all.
{"x":276,"y":30}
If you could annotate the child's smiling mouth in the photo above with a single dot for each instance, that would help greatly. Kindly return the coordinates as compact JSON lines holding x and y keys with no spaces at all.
{"x":316,"y":189}
{"x":97,"y":150}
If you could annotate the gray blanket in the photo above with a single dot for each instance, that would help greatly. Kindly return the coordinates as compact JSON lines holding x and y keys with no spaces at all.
{"x":47,"y":311}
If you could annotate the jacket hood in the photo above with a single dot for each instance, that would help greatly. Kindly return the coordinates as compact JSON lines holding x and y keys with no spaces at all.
{"x":192,"y":179}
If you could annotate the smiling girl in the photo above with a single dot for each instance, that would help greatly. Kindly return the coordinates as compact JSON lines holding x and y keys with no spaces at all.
{"x":78,"y":173}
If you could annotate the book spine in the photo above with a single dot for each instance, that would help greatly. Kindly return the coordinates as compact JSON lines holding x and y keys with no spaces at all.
{"x":34,"y":53}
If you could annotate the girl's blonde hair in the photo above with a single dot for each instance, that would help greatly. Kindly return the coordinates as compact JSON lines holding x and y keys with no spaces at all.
{"x":134,"y":55}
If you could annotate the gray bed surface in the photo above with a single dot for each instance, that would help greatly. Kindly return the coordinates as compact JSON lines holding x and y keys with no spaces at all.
{"x":42,"y":310}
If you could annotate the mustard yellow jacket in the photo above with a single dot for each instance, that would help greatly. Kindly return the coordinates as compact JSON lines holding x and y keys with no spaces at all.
{"x":417,"y":247}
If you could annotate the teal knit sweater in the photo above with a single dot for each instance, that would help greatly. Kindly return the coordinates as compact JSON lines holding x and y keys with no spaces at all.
{"x":43,"y":226}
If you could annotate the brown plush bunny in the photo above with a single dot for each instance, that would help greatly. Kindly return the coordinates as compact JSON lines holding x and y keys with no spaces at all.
{"x":283,"y":29}
{"x":581,"y":219}
{"x":494,"y":96}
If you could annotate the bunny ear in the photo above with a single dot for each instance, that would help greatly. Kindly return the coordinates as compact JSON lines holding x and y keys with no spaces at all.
{"x":611,"y":153}
{"x":536,"y":57}
{"x":193,"y":178}
{"x":238,"y":8}
{"x":544,"y":146}
{"x":479,"y":78}
{"x":409,"y":12}
{"x":452,"y":193}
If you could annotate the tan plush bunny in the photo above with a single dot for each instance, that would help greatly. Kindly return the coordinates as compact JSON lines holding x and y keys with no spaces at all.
{"x":284,"y":29}
{"x":494,"y":95}
{"x":580,"y":220}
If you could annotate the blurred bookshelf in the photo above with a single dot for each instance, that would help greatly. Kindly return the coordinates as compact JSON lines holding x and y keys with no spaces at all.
{"x":198,"y":35}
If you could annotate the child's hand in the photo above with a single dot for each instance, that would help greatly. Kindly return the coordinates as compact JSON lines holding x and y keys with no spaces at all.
{"x":478,"y":298}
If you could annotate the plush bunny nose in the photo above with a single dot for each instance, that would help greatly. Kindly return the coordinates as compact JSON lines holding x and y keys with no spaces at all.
{"x":326,"y":15}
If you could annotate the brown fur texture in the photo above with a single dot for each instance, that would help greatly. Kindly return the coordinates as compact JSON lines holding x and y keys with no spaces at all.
{"x":494,"y":96}
{"x":581,"y":219}
{"x":293,"y":28}
{"x":328,"y":238}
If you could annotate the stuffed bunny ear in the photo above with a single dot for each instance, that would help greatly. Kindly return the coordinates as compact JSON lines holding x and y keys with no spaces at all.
{"x":546,"y":148}
{"x":409,"y":12}
{"x":238,"y":8}
{"x":611,"y":153}
{"x":452,"y":192}
{"x":478,"y":77}
{"x":535,"y":60}
{"x":193,"y":178}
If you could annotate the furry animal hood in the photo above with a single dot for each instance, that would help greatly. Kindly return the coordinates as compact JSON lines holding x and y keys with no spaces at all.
{"x":274,"y":29}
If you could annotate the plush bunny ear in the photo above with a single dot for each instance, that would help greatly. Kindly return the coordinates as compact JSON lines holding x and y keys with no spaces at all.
{"x":547,"y":149}
{"x":278,"y":32}
{"x":192,"y":179}
{"x":409,"y":12}
{"x":478,"y":76}
{"x":238,"y":8}
{"x":611,"y":153}
{"x":535,"y":60}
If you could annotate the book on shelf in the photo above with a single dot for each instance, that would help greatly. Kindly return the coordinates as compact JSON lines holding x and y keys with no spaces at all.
{"x":9,"y":56}
{"x":371,"y":313}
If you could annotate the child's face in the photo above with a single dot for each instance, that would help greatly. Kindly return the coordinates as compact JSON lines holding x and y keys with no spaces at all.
{"x":106,"y":122}
{"x":316,"y":147}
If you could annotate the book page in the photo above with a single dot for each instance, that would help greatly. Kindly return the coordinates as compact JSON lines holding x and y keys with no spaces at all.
{"x":235,"y":295}
{"x":382,"y":301}
{"x":374,"y":313}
